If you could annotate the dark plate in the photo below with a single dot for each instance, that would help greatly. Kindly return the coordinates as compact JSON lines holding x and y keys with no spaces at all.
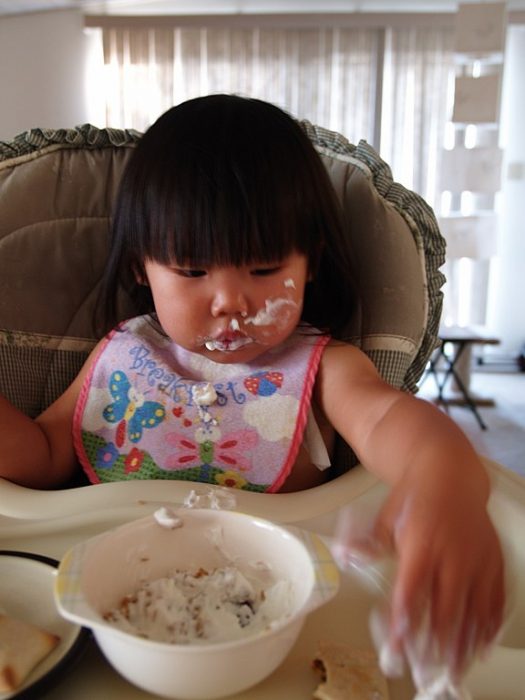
{"x":26,"y":592}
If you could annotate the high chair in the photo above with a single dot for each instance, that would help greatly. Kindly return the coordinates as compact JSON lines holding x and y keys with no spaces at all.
{"x":56,"y":195}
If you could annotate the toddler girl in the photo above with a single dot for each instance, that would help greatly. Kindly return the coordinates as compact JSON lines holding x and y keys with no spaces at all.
{"x":229,"y":238}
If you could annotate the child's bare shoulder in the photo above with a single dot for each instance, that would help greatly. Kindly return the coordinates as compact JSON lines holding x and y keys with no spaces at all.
{"x":350,"y":390}
{"x":341,"y":358}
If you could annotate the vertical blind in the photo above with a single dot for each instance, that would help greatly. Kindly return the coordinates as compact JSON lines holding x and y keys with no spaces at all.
{"x":327,"y":76}
{"x":386,"y":85}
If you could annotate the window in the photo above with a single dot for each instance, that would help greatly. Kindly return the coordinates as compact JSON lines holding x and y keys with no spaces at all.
{"x":385,"y":84}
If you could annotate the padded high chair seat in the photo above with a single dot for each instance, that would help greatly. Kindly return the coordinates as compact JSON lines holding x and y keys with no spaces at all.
{"x":56,"y":194}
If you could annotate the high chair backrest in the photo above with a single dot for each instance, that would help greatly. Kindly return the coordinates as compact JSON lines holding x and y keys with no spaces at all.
{"x":56,"y":194}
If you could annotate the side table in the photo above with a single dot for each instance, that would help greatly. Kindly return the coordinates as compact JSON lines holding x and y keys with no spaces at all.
{"x":455,"y":342}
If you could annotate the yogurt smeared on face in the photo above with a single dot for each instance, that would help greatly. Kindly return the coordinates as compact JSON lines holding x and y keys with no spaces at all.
{"x":276,"y":312}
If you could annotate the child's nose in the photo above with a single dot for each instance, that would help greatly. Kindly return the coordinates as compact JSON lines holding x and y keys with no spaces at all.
{"x":229,"y":300}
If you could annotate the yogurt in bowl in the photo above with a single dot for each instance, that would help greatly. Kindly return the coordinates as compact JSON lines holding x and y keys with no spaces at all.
{"x":201,"y":609}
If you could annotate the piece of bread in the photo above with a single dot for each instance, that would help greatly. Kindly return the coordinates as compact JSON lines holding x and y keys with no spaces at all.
{"x":22,"y":647}
{"x":348,"y":673}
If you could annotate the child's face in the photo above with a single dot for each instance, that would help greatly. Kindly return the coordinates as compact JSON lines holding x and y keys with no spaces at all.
{"x":227,"y":313}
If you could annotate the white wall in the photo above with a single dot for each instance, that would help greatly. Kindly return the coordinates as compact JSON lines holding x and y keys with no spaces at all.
{"x":42,"y":60}
{"x":506,"y":313}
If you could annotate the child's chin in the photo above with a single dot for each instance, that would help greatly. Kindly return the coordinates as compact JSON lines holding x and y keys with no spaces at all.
{"x":244,"y":354}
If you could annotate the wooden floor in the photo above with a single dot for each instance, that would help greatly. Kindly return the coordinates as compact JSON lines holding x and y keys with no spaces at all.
{"x":504,"y":439}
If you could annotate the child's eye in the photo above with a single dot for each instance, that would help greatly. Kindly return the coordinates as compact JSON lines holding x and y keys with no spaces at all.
{"x":265,"y":271}
{"x":182,"y":272}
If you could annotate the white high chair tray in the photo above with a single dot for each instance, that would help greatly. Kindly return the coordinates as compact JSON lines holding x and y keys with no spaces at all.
{"x":50,"y":524}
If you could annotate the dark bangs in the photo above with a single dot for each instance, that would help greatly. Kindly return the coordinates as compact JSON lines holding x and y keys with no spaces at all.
{"x":226,"y":180}
{"x":218,"y":181}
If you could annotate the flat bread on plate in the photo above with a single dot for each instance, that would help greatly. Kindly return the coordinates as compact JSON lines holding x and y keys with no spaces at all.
{"x":348,"y":673}
{"x":22,"y":646}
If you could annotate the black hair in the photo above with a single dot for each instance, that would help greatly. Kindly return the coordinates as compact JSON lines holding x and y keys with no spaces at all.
{"x":229,"y":180}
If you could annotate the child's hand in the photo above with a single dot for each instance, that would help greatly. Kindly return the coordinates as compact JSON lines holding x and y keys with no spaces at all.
{"x":435,"y":522}
{"x":449,"y":563}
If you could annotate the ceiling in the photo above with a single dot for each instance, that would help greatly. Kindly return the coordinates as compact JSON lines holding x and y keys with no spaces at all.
{"x":167,"y":7}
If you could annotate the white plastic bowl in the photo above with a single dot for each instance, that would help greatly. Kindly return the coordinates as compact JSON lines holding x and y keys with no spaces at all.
{"x":95,"y":575}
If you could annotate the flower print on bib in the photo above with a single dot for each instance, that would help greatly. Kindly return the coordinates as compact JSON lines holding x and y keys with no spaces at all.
{"x":151,"y":410}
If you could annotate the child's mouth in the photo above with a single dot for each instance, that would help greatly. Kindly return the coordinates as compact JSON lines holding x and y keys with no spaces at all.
{"x":228,"y":342}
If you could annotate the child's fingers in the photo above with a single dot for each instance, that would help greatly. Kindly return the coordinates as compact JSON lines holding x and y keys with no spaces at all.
{"x":465,"y":618}
{"x":450,"y":604}
{"x":482,"y":618}
{"x":462,"y":648}
{"x":411,"y":595}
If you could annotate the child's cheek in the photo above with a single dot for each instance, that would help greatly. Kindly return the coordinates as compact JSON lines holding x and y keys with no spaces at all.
{"x":277,"y":314}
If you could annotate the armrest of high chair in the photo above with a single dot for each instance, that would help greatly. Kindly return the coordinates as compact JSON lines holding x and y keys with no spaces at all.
{"x":20,"y":502}
{"x":32,"y":504}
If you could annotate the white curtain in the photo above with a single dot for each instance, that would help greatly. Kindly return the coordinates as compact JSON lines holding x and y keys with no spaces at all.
{"x":418,"y":63}
{"x":386,"y":85}
{"x":325,"y":75}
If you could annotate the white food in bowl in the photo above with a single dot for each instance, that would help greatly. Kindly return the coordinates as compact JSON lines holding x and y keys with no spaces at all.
{"x":95,"y":576}
{"x":202,"y":607}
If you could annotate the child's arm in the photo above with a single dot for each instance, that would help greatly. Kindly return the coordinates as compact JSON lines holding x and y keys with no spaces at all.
{"x":435,"y":517}
{"x":39,"y":453}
